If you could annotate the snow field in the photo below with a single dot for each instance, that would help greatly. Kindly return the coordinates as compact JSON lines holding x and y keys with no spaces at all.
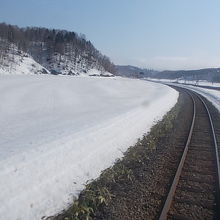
{"x":57,"y":132}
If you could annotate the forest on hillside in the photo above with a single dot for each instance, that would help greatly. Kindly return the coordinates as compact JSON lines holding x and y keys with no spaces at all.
{"x":44,"y":44}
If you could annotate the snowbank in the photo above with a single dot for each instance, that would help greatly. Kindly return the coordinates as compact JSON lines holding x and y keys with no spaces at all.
{"x":95,"y":72}
{"x":58,"y":132}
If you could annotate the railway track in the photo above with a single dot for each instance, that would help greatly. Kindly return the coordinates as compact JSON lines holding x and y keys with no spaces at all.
{"x":195,"y":190}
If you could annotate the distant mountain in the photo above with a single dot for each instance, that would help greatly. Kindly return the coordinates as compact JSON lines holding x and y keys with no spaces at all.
{"x":51,"y":51}
{"x":134,"y":72}
{"x":209,"y":74}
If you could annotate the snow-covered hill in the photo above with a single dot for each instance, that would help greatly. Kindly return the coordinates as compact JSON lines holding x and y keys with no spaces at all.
{"x":15,"y":61}
{"x":57,"y":51}
{"x":57,"y":132}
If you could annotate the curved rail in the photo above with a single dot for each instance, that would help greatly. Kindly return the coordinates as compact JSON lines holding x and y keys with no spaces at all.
{"x":172,"y":191}
{"x":214,"y":139}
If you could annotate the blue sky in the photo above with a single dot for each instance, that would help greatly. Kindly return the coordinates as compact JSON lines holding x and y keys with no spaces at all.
{"x":159,"y":34}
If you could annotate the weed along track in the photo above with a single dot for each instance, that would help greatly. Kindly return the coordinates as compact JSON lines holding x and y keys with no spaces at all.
{"x":194,"y":193}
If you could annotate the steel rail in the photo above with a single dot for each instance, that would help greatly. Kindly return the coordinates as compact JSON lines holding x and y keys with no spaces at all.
{"x":167,"y":204}
{"x":215,"y":141}
{"x":171,"y":193}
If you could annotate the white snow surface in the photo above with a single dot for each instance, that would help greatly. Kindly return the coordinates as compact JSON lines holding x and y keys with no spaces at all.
{"x":57,"y":132}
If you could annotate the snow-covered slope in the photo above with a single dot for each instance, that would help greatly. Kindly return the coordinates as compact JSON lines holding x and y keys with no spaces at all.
{"x":16,"y":62}
{"x":57,"y":132}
